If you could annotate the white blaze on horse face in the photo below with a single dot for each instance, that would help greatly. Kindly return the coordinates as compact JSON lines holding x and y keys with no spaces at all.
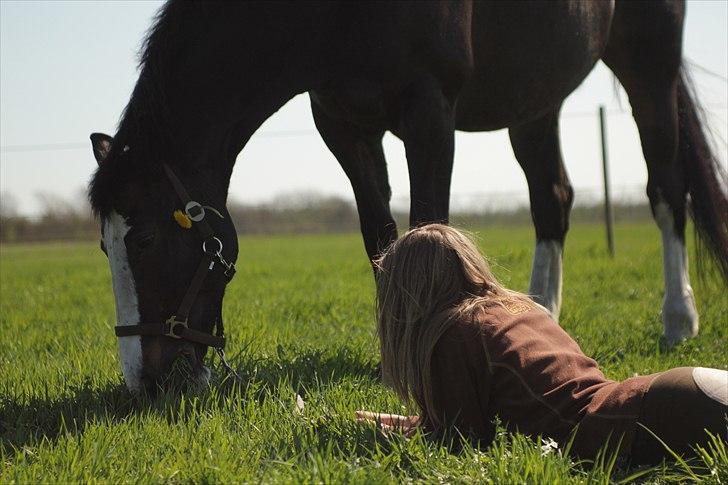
{"x":545,"y":287}
{"x":127,"y":306}
{"x":679,"y":316}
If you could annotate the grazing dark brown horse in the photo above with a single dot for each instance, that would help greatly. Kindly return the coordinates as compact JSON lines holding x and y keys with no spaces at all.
{"x":212,"y":72}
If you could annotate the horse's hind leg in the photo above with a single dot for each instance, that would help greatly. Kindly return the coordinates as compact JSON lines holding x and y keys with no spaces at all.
{"x":537,"y":148}
{"x":644,"y":52}
{"x":360,"y":154}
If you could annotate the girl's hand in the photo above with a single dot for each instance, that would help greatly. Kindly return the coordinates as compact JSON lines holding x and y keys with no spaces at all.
{"x":390,"y":422}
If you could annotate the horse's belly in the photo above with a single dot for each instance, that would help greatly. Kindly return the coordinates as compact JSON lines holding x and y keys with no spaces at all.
{"x":528,"y":57}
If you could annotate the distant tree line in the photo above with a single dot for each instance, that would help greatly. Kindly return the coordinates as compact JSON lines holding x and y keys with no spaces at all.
{"x":61,"y":220}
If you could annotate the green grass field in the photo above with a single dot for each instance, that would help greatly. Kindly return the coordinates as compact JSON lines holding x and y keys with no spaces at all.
{"x":300,"y":319}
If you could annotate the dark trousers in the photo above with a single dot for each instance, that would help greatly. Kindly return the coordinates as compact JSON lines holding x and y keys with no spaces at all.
{"x":678,"y":412}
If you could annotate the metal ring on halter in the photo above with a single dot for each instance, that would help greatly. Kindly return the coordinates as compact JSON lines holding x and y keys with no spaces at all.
{"x":195,"y":211}
{"x":219,"y":243}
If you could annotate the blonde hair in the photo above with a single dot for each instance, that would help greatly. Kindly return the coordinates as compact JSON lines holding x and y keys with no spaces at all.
{"x":428,"y":279}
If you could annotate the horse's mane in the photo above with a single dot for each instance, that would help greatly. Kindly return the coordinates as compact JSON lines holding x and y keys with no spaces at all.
{"x":145,"y":121}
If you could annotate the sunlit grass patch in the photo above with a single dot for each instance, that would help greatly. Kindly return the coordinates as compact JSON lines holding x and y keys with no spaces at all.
{"x":300,"y":320}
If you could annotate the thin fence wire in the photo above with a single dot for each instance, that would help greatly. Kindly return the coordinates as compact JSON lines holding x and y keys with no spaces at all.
{"x":481,"y":202}
{"x":514,"y":200}
{"x":712,"y":109}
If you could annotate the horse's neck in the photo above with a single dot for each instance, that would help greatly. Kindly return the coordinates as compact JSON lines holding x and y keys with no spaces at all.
{"x":222,"y":86}
{"x":210,"y":136}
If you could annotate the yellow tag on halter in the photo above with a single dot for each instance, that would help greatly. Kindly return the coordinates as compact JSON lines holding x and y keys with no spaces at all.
{"x":182,"y":219}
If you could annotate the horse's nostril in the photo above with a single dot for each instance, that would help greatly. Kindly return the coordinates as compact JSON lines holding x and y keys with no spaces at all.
{"x":185,"y":354}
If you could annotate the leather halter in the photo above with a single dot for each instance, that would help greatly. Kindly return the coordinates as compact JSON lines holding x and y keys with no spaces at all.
{"x":176,"y":325}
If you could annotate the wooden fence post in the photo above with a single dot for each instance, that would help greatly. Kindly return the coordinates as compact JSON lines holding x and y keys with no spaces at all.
{"x":608,"y":217}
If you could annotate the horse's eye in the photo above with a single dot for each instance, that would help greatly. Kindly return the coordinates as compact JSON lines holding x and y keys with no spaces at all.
{"x":137,"y":241}
{"x":144,"y":240}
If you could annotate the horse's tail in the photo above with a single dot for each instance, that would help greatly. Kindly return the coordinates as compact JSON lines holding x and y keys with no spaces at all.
{"x":706,"y":179}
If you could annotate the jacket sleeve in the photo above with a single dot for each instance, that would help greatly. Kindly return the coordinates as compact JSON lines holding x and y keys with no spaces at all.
{"x":461,"y":385}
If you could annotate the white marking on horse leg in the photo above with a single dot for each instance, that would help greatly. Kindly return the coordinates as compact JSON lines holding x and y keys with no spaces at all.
{"x":679,"y":316}
{"x":127,"y":306}
{"x":545,"y":287}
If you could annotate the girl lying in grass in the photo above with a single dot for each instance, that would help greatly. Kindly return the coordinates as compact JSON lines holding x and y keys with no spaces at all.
{"x":466,"y":350}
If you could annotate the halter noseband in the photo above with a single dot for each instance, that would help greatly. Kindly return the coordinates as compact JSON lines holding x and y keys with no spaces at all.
{"x":176,"y":325}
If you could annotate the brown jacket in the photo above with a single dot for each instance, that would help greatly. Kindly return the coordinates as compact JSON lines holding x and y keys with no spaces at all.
{"x":516,"y":363}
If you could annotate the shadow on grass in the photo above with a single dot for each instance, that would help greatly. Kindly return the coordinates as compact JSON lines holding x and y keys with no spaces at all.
{"x":27,"y":421}
{"x":31,"y":420}
{"x":301,"y":368}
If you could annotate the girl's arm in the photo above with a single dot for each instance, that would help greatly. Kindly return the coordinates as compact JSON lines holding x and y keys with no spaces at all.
{"x":390,"y":422}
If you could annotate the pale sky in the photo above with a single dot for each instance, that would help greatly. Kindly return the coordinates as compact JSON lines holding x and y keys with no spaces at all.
{"x":67,"y":69}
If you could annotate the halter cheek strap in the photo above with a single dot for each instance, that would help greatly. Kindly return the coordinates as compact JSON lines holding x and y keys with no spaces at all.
{"x":176,"y":325}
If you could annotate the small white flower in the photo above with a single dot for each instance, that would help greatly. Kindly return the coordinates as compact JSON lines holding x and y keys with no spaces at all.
{"x":548,"y":446}
{"x":300,"y":404}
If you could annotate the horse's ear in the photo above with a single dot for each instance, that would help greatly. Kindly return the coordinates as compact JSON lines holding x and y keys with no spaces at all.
{"x":101,"y":145}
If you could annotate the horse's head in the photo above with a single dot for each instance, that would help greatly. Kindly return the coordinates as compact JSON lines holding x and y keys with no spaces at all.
{"x":169,"y":241}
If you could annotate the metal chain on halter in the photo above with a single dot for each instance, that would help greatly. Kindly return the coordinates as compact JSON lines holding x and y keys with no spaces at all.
{"x":221,"y":352}
{"x":220,"y":332}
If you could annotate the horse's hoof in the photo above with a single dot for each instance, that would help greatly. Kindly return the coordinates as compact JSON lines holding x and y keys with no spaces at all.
{"x":679,"y":317}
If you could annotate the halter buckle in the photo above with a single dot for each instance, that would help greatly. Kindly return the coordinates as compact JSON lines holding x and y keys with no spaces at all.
{"x":173,"y":323}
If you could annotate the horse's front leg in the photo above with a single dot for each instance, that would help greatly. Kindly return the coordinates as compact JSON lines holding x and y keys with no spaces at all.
{"x":359,"y":152}
{"x":426,"y":126}
{"x":537,"y":148}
